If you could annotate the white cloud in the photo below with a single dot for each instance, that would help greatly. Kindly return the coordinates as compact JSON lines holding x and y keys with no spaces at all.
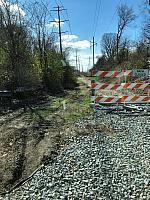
{"x":86,"y":59}
{"x":13,"y":8}
{"x":73,"y":42}
{"x":83,"y":44}
{"x":86,"y":56}
{"x":69,"y":38}
{"x":54,"y":24}
{"x":2,"y":3}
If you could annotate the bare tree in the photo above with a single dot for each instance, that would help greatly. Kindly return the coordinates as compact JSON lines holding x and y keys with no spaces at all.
{"x":126,"y":16}
{"x":108,"y":44}
{"x":146,"y":31}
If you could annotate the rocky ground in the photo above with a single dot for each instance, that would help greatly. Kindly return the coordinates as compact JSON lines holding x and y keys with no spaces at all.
{"x":108,"y":160}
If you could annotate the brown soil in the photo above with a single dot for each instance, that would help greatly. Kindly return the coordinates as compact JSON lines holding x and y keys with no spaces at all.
{"x":25,"y":144}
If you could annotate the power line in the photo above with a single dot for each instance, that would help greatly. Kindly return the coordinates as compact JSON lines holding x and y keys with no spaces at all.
{"x":68,"y":21}
{"x":96,"y":17}
{"x":111,"y":21}
{"x":95,"y":12}
{"x":60,"y":2}
{"x":58,"y":10}
{"x":98,"y":9}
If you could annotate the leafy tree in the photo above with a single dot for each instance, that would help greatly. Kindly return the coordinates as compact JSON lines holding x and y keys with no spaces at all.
{"x":15,"y":45}
{"x":138,"y":57}
{"x":28,"y":54}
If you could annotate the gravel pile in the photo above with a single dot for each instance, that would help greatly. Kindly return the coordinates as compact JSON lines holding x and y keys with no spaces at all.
{"x":97,"y":166}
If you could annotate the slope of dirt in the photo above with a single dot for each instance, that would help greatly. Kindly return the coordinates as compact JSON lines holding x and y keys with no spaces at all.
{"x":22,"y":148}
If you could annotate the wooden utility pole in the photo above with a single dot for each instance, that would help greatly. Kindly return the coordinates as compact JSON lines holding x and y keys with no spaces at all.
{"x":76,"y":60}
{"x":60,"y":42}
{"x":82,"y":68}
{"x":93,"y":51}
{"x":59,"y":9}
{"x":93,"y":45}
{"x":79,"y":64}
{"x":89,"y":65}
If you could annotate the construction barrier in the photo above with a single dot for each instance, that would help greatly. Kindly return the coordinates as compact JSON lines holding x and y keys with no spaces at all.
{"x":122,"y":86}
{"x":111,"y":73}
{"x":120,"y":98}
{"x":124,"y":99}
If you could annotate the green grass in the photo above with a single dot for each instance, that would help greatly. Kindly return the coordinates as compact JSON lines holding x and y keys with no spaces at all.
{"x":77,"y":103}
{"x":77,"y":107}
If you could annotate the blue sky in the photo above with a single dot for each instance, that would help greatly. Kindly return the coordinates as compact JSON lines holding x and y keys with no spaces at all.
{"x":86,"y":23}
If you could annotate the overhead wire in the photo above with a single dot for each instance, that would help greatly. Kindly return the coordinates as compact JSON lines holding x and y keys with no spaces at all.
{"x":98,"y":10}
{"x":113,"y":16}
{"x":111,"y":21}
{"x":95,"y":11}
{"x":94,"y":19}
{"x":97,"y":14}
{"x":59,"y":2}
{"x":69,"y":23}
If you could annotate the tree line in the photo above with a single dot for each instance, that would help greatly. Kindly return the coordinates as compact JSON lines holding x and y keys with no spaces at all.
{"x":29,"y":56}
{"x":119,"y":50}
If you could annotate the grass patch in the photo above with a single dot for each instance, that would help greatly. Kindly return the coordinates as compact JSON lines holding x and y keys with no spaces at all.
{"x":79,"y":109}
{"x":77,"y":106}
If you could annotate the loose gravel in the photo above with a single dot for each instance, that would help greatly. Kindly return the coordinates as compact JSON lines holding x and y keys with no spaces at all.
{"x":97,"y":165}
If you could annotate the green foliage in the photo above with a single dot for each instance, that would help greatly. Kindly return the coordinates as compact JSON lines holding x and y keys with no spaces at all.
{"x":28,"y":55}
{"x":137,"y":57}
{"x":69,"y":78}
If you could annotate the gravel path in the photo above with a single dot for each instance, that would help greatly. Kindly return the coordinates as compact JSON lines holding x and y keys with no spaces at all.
{"x":97,"y":166}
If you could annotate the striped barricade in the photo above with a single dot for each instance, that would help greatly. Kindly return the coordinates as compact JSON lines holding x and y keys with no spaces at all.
{"x":116,"y":74}
{"x":123,"y":99}
{"x":122,"y":86}
{"x":116,"y":88}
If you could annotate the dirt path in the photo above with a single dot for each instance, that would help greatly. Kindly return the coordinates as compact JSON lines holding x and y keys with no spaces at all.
{"x":35,"y":136}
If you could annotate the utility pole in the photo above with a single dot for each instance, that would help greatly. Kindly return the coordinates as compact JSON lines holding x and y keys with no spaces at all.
{"x":82,"y":68}
{"x":60,"y":42}
{"x":89,"y":64}
{"x":59,"y":9}
{"x":79,"y":64}
{"x":76,"y":60}
{"x":93,"y":51}
{"x":93,"y":45}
